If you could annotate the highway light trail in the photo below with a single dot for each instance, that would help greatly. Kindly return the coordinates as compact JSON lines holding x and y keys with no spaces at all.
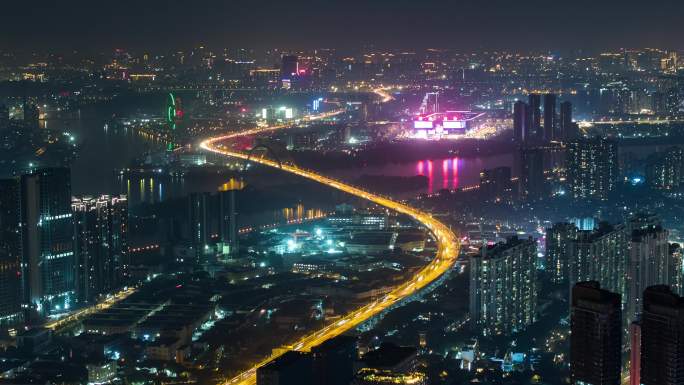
{"x":62,"y":323}
{"x":383,"y":94}
{"x":447,"y":245}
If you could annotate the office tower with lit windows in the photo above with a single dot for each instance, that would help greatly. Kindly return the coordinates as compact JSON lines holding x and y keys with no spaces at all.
{"x":677,"y":260}
{"x":591,"y":168}
{"x":534,"y":115}
{"x":521,"y":123}
{"x":662,"y":337}
{"x":101,"y":245}
{"x":642,"y":221}
{"x":649,"y":264}
{"x":495,"y":184}
{"x":550,"y":118}
{"x":599,"y":255}
{"x":503,"y":287}
{"x":11,"y":314}
{"x":558,"y":238}
{"x":47,"y":240}
{"x":596,"y":335}
{"x":664,"y":170}
{"x":672,"y":101}
{"x":532,"y":181}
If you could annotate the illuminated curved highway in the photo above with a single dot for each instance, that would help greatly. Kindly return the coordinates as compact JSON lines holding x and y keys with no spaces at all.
{"x":447,"y":246}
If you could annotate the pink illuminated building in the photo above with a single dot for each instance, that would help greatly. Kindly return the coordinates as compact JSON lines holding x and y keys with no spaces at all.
{"x":444,"y":124}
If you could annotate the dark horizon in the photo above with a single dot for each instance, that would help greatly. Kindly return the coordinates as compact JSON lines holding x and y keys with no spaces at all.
{"x":300,"y":24}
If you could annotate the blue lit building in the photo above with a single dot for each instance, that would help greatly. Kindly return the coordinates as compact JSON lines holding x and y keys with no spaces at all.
{"x":47,"y":240}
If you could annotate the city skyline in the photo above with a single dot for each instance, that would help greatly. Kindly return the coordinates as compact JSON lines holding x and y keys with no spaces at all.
{"x":181,"y":202}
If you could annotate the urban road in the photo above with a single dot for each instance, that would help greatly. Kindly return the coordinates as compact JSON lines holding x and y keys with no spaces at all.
{"x":447,"y":244}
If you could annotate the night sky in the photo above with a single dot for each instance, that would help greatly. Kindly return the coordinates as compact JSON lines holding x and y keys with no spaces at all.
{"x":493,"y":24}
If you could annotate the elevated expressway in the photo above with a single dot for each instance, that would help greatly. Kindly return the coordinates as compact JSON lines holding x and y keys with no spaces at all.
{"x":447,"y":246}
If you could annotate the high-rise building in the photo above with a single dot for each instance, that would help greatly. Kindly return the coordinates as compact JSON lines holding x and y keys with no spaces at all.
{"x":199,"y":221}
{"x":11,"y":314}
{"x":10,"y":254}
{"x":228,"y":214}
{"x":521,"y":123}
{"x":659,"y":104}
{"x":558,"y":239}
{"x":289,"y":67}
{"x":4,"y":117}
{"x":672,"y":101}
{"x":495,"y":184}
{"x":47,"y":240}
{"x":550,"y":118}
{"x":664,"y":171}
{"x":568,"y":130}
{"x":596,"y":334}
{"x":101,"y":245}
{"x":292,"y":368}
{"x":642,"y":221}
{"x":534,"y":114}
{"x":333,"y":361}
{"x":503,"y":287}
{"x":592,"y":171}
{"x":635,"y":353}
{"x":31,"y":115}
{"x":677,"y":258}
{"x":649,"y":264}
{"x":532,"y":179}
{"x":599,"y":255}
{"x":662,"y":337}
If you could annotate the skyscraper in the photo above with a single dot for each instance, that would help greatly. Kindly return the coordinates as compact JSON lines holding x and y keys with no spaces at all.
{"x":503,"y":287}
{"x":495,"y":184}
{"x":558,"y":239}
{"x":677,"y":258}
{"x":334,"y":361}
{"x":521,"y":124}
{"x":534,"y":114}
{"x":10,"y":254}
{"x":649,"y":264}
{"x":101,"y":245}
{"x":550,"y":117}
{"x":11,"y":314}
{"x":567,"y":129}
{"x":664,"y":171}
{"x":635,"y":353}
{"x":199,"y":223}
{"x":592,"y":168}
{"x":47,"y":240}
{"x":662,"y":337}
{"x":292,"y":368}
{"x":228,"y":214}
{"x":4,"y":117}
{"x":532,"y":180}
{"x":31,"y":115}
{"x":599,"y":255}
{"x":289,"y":67}
{"x":596,"y":334}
